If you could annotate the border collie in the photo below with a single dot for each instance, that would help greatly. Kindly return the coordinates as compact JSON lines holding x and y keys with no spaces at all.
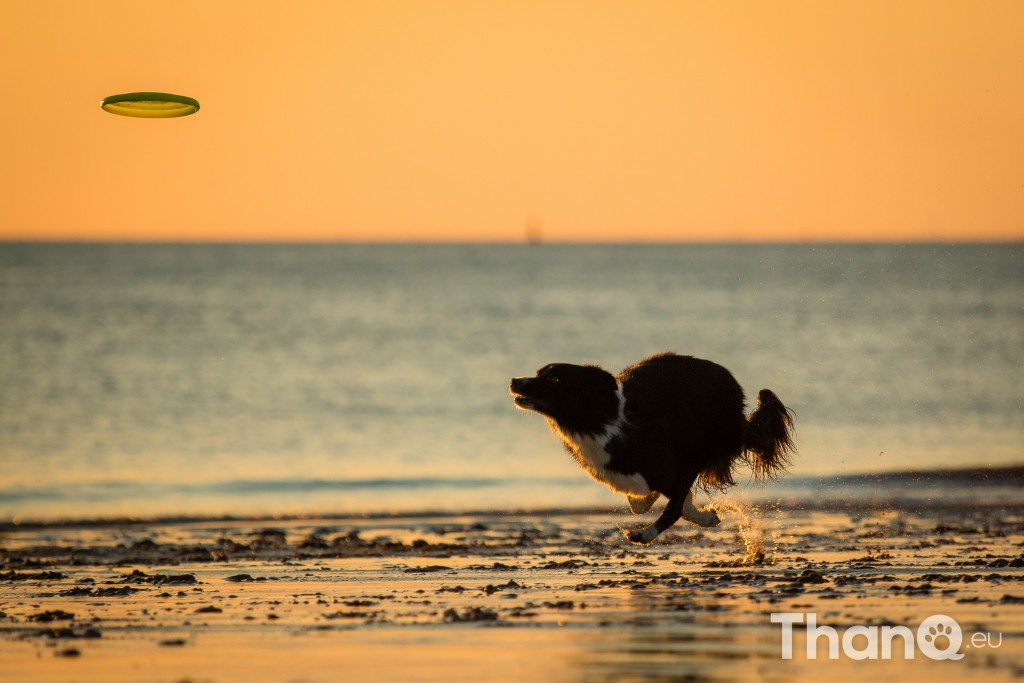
{"x":663,"y":425}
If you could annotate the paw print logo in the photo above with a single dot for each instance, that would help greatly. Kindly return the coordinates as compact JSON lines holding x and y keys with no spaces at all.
{"x":939,"y":637}
{"x":939,"y":631}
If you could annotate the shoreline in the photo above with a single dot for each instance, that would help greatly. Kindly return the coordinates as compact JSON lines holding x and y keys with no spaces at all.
{"x":932,"y":489}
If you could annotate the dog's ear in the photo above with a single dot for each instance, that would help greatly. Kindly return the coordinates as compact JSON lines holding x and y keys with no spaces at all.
{"x":547,"y":368}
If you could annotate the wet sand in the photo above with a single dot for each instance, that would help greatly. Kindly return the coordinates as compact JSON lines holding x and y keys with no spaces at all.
{"x":555,"y":596}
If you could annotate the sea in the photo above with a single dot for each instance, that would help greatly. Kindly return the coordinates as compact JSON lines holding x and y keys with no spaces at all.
{"x":206,"y":380}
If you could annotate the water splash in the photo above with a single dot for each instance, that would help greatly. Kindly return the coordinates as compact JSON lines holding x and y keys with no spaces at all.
{"x":760,"y":542}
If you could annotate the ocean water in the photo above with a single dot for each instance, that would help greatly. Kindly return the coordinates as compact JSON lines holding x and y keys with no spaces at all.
{"x":141,"y":380}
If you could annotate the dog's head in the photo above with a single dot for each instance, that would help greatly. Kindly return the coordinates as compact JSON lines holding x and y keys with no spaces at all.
{"x":580,"y":398}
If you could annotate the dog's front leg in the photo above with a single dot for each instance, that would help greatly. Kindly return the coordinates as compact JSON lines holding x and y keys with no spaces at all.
{"x":669,"y":516}
{"x":676,"y":508}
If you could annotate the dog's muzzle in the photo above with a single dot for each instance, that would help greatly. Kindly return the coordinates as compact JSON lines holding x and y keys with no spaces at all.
{"x":518,"y":387}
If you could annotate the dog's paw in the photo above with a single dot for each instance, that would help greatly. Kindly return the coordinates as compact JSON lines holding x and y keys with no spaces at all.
{"x":703,"y":518}
{"x":643,"y":536}
{"x":710,"y":518}
{"x":638,"y":505}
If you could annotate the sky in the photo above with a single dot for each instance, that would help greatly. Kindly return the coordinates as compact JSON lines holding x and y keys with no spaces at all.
{"x":384,"y":120}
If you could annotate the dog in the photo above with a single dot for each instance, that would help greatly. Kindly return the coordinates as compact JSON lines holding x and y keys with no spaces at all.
{"x":660,"y":427}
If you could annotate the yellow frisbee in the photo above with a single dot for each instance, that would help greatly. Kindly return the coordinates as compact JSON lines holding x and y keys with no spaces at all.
{"x":150,"y":105}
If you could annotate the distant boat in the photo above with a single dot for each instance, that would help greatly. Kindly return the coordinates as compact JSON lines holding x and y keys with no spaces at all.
{"x":534,"y":231}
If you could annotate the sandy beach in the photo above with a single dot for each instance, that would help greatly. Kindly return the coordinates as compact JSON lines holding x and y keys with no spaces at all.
{"x":558,"y":595}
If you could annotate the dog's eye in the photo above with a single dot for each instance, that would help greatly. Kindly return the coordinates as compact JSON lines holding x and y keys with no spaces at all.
{"x":555,"y":379}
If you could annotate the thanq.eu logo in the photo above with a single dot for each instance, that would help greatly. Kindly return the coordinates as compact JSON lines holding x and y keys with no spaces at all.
{"x":938,"y":637}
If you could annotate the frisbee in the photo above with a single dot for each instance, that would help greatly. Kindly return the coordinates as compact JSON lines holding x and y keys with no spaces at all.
{"x":150,"y":105}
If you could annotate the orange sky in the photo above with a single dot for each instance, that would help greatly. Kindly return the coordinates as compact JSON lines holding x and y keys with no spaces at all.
{"x":424,"y":119}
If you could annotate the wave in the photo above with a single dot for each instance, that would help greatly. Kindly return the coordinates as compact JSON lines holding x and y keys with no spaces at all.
{"x":1011,"y":475}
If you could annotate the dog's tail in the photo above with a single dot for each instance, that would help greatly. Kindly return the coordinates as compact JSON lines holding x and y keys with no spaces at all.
{"x":769,"y":438}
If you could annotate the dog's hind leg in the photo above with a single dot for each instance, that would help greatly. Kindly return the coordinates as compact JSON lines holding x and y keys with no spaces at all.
{"x":641,"y":504}
{"x":705,"y":517}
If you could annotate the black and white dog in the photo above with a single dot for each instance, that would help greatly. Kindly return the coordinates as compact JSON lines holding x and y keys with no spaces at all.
{"x":663,"y":425}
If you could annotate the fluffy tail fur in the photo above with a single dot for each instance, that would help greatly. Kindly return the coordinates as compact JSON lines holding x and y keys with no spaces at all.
{"x":769,"y":441}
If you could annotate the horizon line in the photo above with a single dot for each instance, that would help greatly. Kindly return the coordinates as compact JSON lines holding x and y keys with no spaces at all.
{"x":281,"y":241}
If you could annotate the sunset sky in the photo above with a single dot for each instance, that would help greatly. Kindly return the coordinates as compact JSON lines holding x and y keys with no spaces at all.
{"x":469,"y":120}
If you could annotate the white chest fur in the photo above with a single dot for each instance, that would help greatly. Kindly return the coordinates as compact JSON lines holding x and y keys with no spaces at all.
{"x":591,"y":452}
